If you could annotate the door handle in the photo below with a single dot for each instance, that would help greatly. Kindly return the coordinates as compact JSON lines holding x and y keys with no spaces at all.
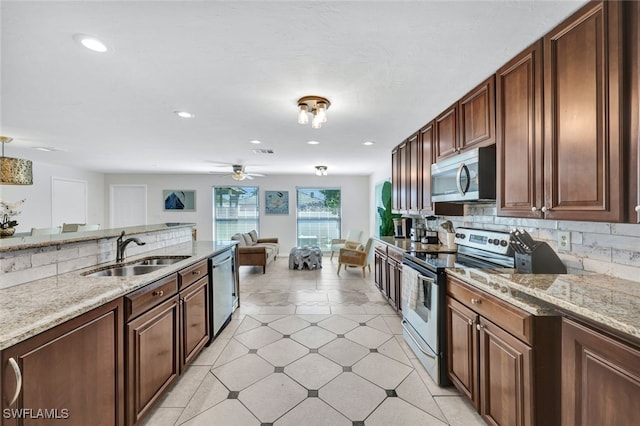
{"x":16,"y":371}
{"x":427,"y":354}
{"x":463,"y":167}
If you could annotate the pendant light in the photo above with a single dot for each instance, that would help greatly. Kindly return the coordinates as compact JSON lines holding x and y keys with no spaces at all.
{"x":14,"y":171}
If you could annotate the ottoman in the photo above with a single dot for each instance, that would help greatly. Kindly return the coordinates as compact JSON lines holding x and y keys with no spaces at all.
{"x":309,"y":257}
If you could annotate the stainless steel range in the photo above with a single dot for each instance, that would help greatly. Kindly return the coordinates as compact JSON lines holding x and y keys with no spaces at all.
{"x":424,"y":288}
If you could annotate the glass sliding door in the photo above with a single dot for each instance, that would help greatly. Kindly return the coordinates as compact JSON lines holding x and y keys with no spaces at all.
{"x":235,"y":210}
{"x":318,"y":215}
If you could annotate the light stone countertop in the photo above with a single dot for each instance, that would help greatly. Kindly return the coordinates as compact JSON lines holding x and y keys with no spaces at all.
{"x":407,"y":245}
{"x":603,"y":299}
{"x":31,"y":308}
{"x":29,"y":242}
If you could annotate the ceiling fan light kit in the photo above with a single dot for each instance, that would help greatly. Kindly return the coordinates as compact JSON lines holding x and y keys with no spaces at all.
{"x":321,"y":170}
{"x":317,"y":106}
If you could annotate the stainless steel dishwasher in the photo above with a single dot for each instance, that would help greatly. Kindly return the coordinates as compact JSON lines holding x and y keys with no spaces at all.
{"x":221,"y":279}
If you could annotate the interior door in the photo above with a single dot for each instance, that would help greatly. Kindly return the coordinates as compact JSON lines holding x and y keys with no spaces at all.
{"x":128,"y":205}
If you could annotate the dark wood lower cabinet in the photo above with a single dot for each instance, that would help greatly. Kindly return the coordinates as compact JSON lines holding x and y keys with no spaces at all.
{"x":505,"y":360}
{"x":74,"y":373}
{"x":195,"y":320}
{"x":388,"y":273}
{"x":153,"y":357}
{"x":600,"y":378}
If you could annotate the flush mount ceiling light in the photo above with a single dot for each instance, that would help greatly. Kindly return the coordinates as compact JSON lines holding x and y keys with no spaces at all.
{"x":183,"y":114}
{"x":14,"y":171}
{"x":321,"y":170}
{"x":255,"y":142}
{"x":313,"y":142}
{"x":368,"y":143}
{"x":90,"y":42}
{"x":317,"y":106}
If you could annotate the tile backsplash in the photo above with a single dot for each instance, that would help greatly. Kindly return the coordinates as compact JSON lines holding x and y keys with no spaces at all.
{"x":606,"y":248}
{"x":21,"y":266}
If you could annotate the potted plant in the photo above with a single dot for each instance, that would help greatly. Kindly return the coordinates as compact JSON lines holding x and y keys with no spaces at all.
{"x":386,"y":216}
{"x":7,"y":212}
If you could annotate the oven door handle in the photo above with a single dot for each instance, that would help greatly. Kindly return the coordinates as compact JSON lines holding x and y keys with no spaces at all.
{"x":427,"y":354}
{"x":428,"y":279}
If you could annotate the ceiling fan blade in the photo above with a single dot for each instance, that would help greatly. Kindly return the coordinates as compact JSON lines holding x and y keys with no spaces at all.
{"x":254,"y":174}
{"x":247,"y":176}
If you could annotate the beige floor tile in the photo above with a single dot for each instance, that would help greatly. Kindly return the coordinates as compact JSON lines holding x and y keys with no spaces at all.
{"x":282,"y":352}
{"x":308,"y":309}
{"x":378,"y":308}
{"x":394,"y":322}
{"x":353,"y":396}
{"x":458,"y":411}
{"x":313,"y":337}
{"x":272,"y":397}
{"x":289,"y":325}
{"x":162,"y":417}
{"x":338,"y":325}
{"x":258,"y":337}
{"x":228,"y":413}
{"x":268,"y":318}
{"x":379,"y":324}
{"x":368,"y":337}
{"x":381,"y":370}
{"x":392,"y":349}
{"x":180,"y":394}
{"x":313,"y":371}
{"x":210,"y":393}
{"x":232,"y":350}
{"x":347,"y":309}
{"x":242,"y":372}
{"x":210,"y":353}
{"x":289,"y":309}
{"x":344,"y":352}
{"x":431,"y":385}
{"x":414,"y":391}
{"x":248,"y":323}
{"x":313,"y":412}
{"x":394,"y":411}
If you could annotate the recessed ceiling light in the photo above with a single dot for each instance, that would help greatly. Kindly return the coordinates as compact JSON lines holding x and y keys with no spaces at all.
{"x":313,"y":142}
{"x":90,"y":42}
{"x":368,"y":143}
{"x":255,"y":142}
{"x":183,"y":114}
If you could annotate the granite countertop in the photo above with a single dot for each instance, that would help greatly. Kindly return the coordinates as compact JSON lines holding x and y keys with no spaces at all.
{"x":28,"y":242}
{"x":407,"y":245}
{"x":37,"y":306}
{"x":610,"y":301}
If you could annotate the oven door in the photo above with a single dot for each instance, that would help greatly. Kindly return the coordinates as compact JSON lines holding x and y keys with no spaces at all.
{"x":421,"y":321}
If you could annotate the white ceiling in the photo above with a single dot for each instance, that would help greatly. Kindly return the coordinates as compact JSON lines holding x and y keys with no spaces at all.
{"x":387,"y":67}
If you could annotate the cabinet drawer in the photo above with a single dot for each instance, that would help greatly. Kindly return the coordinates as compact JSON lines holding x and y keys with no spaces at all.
{"x":395,"y":254}
{"x":514,"y":320}
{"x":193,"y":273}
{"x":381,"y":248}
{"x":149,"y":296}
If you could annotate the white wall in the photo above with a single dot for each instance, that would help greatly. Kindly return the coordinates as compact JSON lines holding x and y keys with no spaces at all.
{"x":36,"y":211}
{"x":378,"y":176}
{"x":356,"y":200}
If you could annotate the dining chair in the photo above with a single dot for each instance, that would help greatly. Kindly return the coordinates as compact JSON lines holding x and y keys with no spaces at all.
{"x":88,"y":227}
{"x":46,"y":231}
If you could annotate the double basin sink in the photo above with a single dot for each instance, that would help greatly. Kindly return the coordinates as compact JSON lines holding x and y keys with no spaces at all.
{"x":139,"y":267}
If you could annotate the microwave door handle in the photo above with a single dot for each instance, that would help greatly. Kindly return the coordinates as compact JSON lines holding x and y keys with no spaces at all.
{"x":463,"y":167}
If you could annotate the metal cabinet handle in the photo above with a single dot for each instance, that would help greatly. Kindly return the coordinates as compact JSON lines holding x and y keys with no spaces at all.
{"x":545,"y":209}
{"x":470,"y":322}
{"x":18,"y":374}
{"x":195,"y":272}
{"x":476,"y":301}
{"x":534,"y":209}
{"x":479,"y":327}
{"x":158,"y":293}
{"x":638,"y":209}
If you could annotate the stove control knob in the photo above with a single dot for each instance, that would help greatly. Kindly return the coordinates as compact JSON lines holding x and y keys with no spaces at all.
{"x":496,"y":242}
{"x":490,"y":241}
{"x":503,"y":243}
{"x":461,"y":236}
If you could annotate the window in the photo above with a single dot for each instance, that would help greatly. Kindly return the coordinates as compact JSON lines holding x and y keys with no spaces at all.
{"x":318,"y":216}
{"x":235,"y":209}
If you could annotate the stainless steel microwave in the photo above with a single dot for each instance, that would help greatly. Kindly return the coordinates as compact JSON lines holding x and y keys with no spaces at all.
{"x":466,"y":177}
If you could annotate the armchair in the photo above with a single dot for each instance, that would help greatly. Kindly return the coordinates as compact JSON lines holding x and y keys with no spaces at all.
{"x":358,"y":256}
{"x":338,"y":243}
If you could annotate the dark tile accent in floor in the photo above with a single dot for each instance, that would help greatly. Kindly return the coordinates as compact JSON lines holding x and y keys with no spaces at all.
{"x":341,"y":336}
{"x":312,"y":393}
{"x":253,"y":351}
{"x":391,"y":393}
{"x":278,"y":370}
{"x":358,"y":423}
{"x":314,"y":323}
{"x":373,"y":350}
{"x":286,"y":336}
{"x":346,"y":369}
{"x":313,"y":351}
{"x":363,"y":323}
{"x":233,"y":395}
{"x":264,"y":323}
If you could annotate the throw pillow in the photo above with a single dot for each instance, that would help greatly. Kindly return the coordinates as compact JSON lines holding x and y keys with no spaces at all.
{"x":240,"y":239}
{"x":247,"y":239}
{"x":254,"y":236}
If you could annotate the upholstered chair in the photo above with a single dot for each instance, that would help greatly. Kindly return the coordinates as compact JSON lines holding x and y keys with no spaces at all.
{"x":338,"y":243}
{"x":355,"y":256}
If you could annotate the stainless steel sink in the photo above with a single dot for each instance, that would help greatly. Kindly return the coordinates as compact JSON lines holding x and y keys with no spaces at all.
{"x":160,"y":260}
{"x":139,"y":267}
{"x":124,"y":271}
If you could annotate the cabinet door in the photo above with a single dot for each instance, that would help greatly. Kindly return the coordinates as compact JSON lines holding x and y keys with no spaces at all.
{"x":446,"y":133}
{"x":462,"y":346}
{"x":195,"y":320}
{"x":633,"y":161}
{"x":506,"y":386}
{"x":600,"y":378}
{"x":582,"y":83}
{"x":477,"y":116}
{"x":395,"y":179}
{"x":75,"y":369}
{"x":395,"y":282}
{"x":519,"y":135}
{"x":425,"y":141}
{"x":412,"y":176}
{"x":380,"y":270}
{"x":403,"y":189}
{"x":153,"y":357}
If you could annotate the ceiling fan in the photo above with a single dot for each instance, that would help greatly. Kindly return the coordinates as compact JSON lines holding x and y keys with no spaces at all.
{"x":238,"y":173}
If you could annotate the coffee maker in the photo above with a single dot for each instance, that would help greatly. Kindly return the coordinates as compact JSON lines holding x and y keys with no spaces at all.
{"x":402,"y":227}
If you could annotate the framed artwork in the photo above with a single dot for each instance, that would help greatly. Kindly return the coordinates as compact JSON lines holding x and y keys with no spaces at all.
{"x":276,"y":202}
{"x":179,"y":200}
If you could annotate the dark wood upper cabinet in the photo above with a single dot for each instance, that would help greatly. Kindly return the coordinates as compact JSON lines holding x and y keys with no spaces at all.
{"x":632,"y":50}
{"x":519,"y":166}
{"x":412,"y":175}
{"x":425,"y":141}
{"x":446,"y":133}
{"x":477,"y":120}
{"x":583,"y":122}
{"x":395,"y":179}
{"x":403,"y":181}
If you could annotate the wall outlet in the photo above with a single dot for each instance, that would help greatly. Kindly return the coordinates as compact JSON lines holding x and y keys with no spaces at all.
{"x":564,"y":240}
